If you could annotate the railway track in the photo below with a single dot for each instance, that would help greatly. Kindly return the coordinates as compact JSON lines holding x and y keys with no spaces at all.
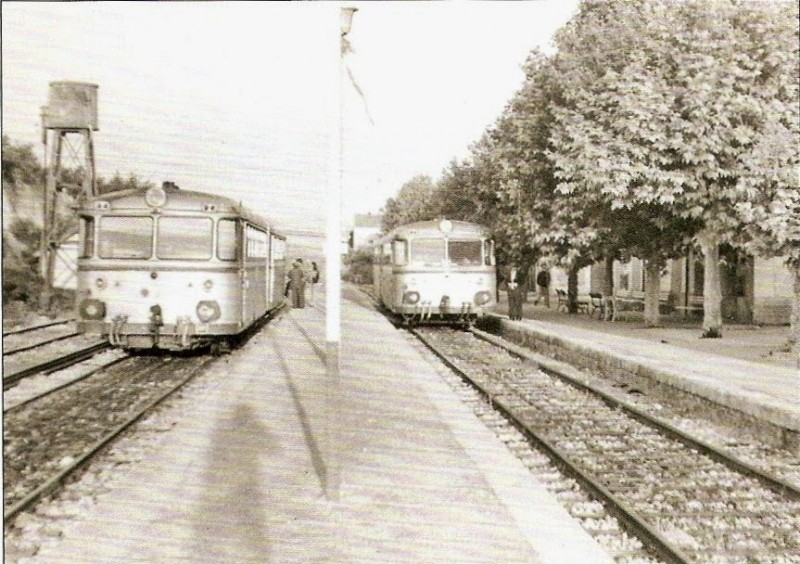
{"x":48,"y":441}
{"x":39,"y":344}
{"x":52,"y":364}
{"x":685,"y":500}
{"x":37,"y":327}
{"x":29,"y":398}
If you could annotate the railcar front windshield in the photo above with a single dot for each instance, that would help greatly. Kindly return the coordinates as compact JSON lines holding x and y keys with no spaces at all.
{"x":464,"y":253}
{"x":427,"y":252}
{"x":184,"y":238}
{"x":125,"y":237}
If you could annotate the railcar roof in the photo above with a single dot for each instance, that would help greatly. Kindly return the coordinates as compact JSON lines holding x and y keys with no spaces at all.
{"x":431,"y":227}
{"x":183,"y":200}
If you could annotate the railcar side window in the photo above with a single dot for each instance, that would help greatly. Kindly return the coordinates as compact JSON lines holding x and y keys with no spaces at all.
{"x":126,"y":237}
{"x":278,"y":248}
{"x":400,"y":252}
{"x":256,"y":242}
{"x":184,"y":238}
{"x":226,"y":239}
{"x":386,"y":253}
{"x":488,"y":252}
{"x":427,"y":252}
{"x":464,"y":253}
{"x":87,"y":237}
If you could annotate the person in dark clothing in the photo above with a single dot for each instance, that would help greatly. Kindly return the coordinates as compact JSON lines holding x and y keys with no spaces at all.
{"x":289,"y":282}
{"x":297,"y":285}
{"x":313,"y":281}
{"x":516,"y":285}
{"x":543,"y":281}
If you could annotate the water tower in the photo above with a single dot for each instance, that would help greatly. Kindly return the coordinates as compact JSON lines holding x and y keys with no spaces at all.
{"x":68,"y":121}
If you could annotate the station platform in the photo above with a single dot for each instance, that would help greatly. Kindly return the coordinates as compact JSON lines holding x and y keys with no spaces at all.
{"x":268,"y":458}
{"x":750,"y":370}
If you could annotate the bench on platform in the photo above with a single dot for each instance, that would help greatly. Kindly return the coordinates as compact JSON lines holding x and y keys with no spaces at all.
{"x":563,"y":301}
{"x":609,"y":308}
{"x":694,"y":306}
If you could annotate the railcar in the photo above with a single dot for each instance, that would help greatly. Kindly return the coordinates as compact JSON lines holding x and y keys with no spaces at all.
{"x":175,"y":269}
{"x":438,"y":271}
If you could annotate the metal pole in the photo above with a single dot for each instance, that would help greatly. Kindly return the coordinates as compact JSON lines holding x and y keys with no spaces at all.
{"x":333,"y":286}
{"x":44,"y":240}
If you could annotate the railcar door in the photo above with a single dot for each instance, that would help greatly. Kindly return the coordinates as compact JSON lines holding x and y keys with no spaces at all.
{"x":243,"y":273}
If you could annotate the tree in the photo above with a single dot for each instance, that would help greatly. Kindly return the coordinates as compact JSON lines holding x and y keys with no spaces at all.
{"x":20,"y":165}
{"x":415,"y":202}
{"x":666,"y":105}
{"x":118,"y":183}
{"x":458,"y":192}
{"x":772,"y":218}
{"x":515,"y":175}
{"x":22,"y":280}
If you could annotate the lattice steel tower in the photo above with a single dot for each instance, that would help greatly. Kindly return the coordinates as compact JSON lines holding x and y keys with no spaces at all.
{"x":68,"y":121}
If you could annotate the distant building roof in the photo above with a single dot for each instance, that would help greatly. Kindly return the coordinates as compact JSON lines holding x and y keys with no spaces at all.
{"x":367,"y":220}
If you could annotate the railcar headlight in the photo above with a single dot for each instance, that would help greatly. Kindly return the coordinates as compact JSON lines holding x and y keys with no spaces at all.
{"x":155,"y":197}
{"x":207,"y":311}
{"x":410,"y":297}
{"x":92,"y":309}
{"x":100,"y":283}
{"x":482,"y":298}
{"x":208,"y":284}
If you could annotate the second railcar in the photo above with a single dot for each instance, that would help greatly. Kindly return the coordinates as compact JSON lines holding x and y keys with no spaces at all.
{"x":436,"y":272}
{"x":175,"y":269}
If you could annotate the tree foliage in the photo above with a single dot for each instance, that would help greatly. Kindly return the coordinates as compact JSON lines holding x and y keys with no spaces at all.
{"x":655,"y":126}
{"x":117,"y":182}
{"x":20,"y":165}
{"x":670,"y":110}
{"x":415,"y":202}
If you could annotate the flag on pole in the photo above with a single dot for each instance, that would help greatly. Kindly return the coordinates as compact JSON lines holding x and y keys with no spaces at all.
{"x":347,"y":49}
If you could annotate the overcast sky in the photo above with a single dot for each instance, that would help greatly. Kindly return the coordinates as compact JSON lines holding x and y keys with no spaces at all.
{"x":241,"y":99}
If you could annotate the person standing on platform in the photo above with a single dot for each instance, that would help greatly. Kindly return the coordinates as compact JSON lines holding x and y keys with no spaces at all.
{"x":543,"y":281}
{"x":515,"y":286}
{"x":313,"y":281}
{"x":297,"y":284}
{"x":288,"y":282}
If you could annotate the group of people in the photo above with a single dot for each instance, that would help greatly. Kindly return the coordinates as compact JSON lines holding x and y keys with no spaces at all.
{"x":515,"y":280}
{"x":296,"y":280}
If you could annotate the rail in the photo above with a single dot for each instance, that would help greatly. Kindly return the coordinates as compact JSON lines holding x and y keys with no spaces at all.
{"x":40,"y":344}
{"x":58,"y":479}
{"x":642,"y":518}
{"x":36,"y":327}
{"x":54,"y":364}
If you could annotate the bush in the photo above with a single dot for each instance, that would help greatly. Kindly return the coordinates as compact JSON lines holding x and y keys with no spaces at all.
{"x":22,"y":281}
{"x":359,"y":267}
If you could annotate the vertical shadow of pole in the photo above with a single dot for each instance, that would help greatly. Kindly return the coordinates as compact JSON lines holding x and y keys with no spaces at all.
{"x":235,"y":527}
{"x":317,"y":458}
{"x":332,"y":482}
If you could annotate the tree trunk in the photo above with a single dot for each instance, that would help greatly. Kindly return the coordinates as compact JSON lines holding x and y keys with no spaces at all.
{"x":795,"y":318}
{"x":572,"y":289}
{"x":652,"y":292}
{"x":608,"y":290}
{"x":712,"y":289}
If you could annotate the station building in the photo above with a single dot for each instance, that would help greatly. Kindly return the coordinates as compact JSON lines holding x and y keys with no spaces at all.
{"x":755,"y":290}
{"x":366,"y":227}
